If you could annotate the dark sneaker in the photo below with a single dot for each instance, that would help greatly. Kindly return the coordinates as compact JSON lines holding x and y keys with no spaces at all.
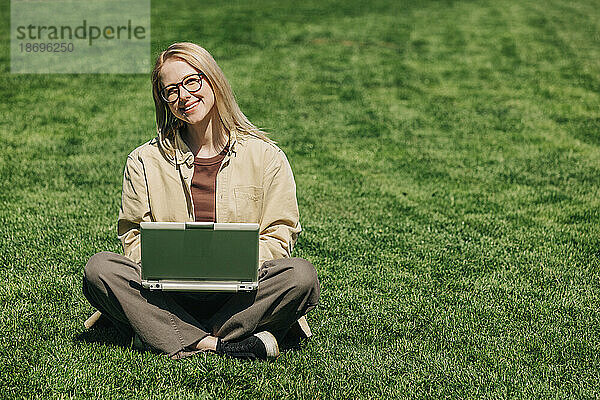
{"x":298,"y":332}
{"x":261,"y":346}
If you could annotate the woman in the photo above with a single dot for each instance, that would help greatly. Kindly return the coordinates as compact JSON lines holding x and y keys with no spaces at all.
{"x":208,"y":163}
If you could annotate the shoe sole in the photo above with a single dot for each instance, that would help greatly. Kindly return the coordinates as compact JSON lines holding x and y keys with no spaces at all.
{"x":270,"y":343}
{"x":303,"y":323}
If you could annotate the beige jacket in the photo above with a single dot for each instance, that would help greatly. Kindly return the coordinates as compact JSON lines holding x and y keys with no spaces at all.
{"x":254,"y":184}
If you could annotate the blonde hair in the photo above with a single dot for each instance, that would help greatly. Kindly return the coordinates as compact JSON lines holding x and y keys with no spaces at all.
{"x":229,"y":112}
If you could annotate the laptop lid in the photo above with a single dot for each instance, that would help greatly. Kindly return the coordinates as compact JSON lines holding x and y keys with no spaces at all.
{"x":199,"y":256}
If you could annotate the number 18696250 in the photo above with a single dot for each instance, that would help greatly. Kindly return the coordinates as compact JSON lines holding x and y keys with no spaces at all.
{"x":46,"y":47}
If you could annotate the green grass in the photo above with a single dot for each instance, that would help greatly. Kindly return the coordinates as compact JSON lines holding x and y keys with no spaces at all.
{"x":448,"y":170}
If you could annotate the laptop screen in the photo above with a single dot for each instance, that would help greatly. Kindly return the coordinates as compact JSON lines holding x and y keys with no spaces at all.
{"x":200,"y":251}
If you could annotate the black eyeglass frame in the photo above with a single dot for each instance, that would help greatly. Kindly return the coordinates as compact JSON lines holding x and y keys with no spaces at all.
{"x":200,"y":75}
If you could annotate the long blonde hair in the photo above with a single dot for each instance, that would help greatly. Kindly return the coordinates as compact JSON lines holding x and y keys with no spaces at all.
{"x":229,"y":112}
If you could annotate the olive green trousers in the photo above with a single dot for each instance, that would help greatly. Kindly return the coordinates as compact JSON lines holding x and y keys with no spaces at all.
{"x":171,"y":322}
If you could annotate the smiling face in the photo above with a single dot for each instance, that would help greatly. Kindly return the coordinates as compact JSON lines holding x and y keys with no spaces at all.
{"x":192,"y":107}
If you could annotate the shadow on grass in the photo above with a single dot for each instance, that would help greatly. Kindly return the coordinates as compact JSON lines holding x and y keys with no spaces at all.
{"x":104,"y":332}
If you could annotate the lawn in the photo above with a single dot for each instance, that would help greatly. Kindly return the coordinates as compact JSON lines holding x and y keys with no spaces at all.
{"x":447,"y":158}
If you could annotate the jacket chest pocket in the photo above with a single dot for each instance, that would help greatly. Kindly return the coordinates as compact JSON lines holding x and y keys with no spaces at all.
{"x":248,"y":203}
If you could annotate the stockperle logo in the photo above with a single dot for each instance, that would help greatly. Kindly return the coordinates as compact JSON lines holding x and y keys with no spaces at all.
{"x":67,"y":36}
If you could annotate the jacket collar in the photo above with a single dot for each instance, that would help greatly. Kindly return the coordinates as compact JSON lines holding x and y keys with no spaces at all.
{"x":183,"y":154}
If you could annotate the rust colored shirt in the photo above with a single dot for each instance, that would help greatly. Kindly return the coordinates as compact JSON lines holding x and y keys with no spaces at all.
{"x":203,"y":186}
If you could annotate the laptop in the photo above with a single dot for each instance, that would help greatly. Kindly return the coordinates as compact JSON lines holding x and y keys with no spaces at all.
{"x":199,"y":256}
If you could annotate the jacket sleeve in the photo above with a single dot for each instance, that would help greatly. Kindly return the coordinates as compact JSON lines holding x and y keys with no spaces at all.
{"x":280,"y":223}
{"x":134,"y":208}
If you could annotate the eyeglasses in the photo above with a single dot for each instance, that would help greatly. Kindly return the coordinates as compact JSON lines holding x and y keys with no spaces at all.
{"x":192,"y":83}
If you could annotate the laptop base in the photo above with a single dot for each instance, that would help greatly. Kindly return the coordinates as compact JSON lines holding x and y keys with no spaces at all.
{"x":197,"y":286}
